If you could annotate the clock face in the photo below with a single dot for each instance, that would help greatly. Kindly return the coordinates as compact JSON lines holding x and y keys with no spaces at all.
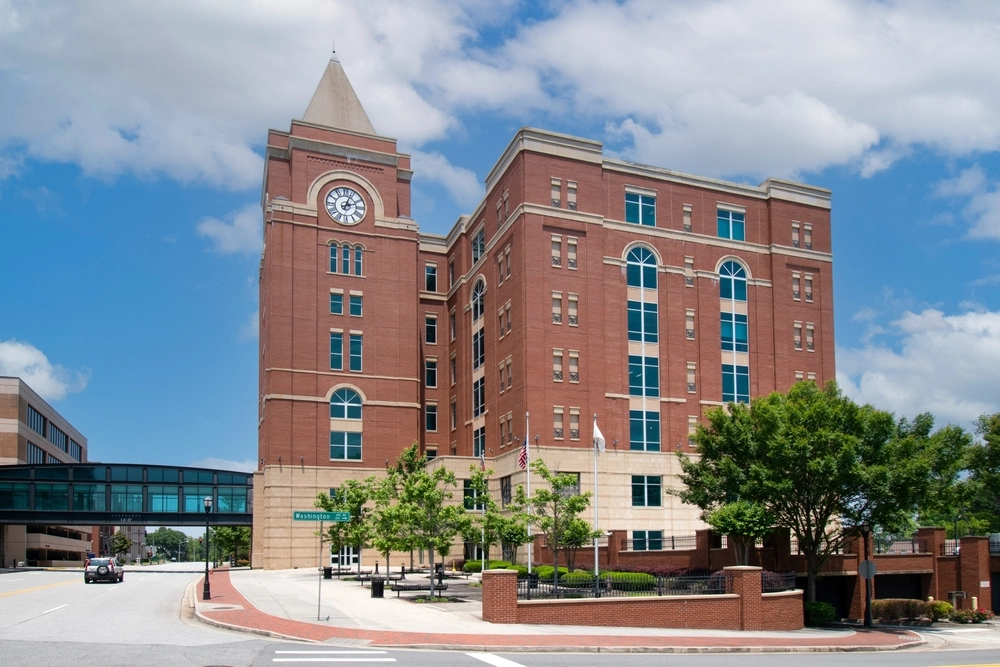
{"x":345,"y":206}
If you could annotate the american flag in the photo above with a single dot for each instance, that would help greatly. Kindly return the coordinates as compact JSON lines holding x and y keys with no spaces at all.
{"x":522,"y":458}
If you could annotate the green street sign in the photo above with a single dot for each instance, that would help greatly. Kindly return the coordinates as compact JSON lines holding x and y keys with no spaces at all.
{"x":311,"y":515}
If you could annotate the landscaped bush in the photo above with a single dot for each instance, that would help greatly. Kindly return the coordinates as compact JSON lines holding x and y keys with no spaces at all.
{"x":545,"y":572}
{"x":898,"y":609}
{"x":939,"y":609}
{"x":717,"y":583}
{"x":472,"y":566}
{"x":631,"y":581}
{"x":498,"y":565}
{"x":819,"y":613}
{"x":971,"y":616}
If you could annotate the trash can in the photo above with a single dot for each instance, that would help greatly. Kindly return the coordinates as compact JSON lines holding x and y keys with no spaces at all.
{"x":328,"y":573}
{"x":378,"y":588}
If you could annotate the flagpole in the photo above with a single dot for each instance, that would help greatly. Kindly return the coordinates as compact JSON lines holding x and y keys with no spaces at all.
{"x":596,"y":504}
{"x":527,"y":472}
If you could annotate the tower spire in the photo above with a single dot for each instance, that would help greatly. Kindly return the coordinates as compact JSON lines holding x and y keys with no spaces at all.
{"x":335,"y":104}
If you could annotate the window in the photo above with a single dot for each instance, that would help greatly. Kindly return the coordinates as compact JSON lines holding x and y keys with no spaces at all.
{"x":232,"y":499}
{"x":431,"y":418}
{"x":454,"y":415}
{"x":503,"y":437}
{"x":431,"y":453}
{"x":478,"y":397}
{"x":571,"y":195}
{"x":574,"y":366}
{"x":345,"y":259}
{"x":35,"y":454}
{"x":646,"y":490}
{"x":355,"y":352}
{"x":75,"y":450}
{"x":692,"y":429}
{"x":808,"y":234}
{"x":506,"y":203}
{"x":506,"y":259}
{"x":641,"y":268}
{"x":556,"y":192}
{"x":357,"y":260}
{"x":500,"y":275}
{"x":557,"y":365}
{"x":687,"y":217}
{"x":499,"y":212}
{"x":345,"y":446}
{"x":557,"y":308}
{"x":478,"y":245}
{"x":797,"y":335}
{"x":345,"y":404}
{"x":732,"y":282}
{"x":734,"y":332}
{"x":647,"y":540}
{"x":557,"y":423}
{"x":431,"y":373}
{"x":795,"y":234}
{"x":479,"y":442}
{"x":644,"y":431}
{"x":799,"y":376}
{"x":36,"y":422}
{"x":574,"y":424}
{"x":90,"y":497}
{"x":451,"y":273}
{"x":355,"y":305}
{"x":510,"y":374}
{"x":810,"y":339}
{"x":478,"y":349}
{"x":689,"y":324}
{"x":507,"y":308}
{"x":692,"y":382}
{"x":431,"y":277}
{"x":451,"y":325}
{"x":500,"y":320}
{"x":510,"y":428}
{"x":336,"y":304}
{"x":336,"y":351}
{"x":453,"y":369}
{"x":161,"y":498}
{"x":506,"y":491}
{"x":796,"y":286}
{"x":811,"y":377}
{"x":640,"y":209}
{"x":129,"y":498}
{"x":344,"y":254}
{"x":470,"y":495}
{"x":430,"y":329}
{"x":732,"y":225}
{"x":809,"y":287}
{"x":735,"y":383}
{"x":571,"y":244}
{"x":689,"y":272}
{"x":642,"y":322}
{"x":574,"y":310}
{"x":643,"y":376}
{"x":334,"y":267}
{"x":56,"y":497}
{"x":556,"y":250}
{"x":58,"y":438}
{"x":478,"y":300}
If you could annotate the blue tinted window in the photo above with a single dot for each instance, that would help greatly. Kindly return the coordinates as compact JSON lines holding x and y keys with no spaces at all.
{"x":734,"y":332}
{"x":356,"y":305}
{"x":345,"y":446}
{"x":641,"y":268}
{"x":646,"y":491}
{"x":336,"y":304}
{"x":643,"y":376}
{"x":640,"y":209}
{"x":345,"y":404}
{"x":356,"y":353}
{"x":732,"y":282}
{"x":642,"y":322}
{"x":732,"y":225}
{"x":644,"y":431}
{"x":735,"y":383}
{"x":336,"y":351}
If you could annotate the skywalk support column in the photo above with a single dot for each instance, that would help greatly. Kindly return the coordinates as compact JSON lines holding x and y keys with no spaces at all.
{"x":747,"y":584}
{"x":500,"y":596}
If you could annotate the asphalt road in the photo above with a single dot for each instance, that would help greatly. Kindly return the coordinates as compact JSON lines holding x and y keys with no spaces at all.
{"x":52,"y":619}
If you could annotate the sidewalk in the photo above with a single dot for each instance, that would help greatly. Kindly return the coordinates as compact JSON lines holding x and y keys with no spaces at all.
{"x":284,"y":604}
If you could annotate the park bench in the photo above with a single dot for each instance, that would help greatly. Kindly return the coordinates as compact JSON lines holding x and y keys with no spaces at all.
{"x":411,"y":585}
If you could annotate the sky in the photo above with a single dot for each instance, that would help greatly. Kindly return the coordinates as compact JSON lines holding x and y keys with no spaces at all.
{"x":131,"y":143}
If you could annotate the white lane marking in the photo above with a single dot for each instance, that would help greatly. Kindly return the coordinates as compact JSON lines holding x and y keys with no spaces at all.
{"x":332,"y":653}
{"x":329,"y":652}
{"x":333,"y":660}
{"x":56,"y":608}
{"x":494,"y":660}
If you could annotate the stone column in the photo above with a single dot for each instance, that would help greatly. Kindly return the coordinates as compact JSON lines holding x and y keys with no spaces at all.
{"x":973,"y":570}
{"x":747,"y":584}
{"x":500,"y":596}
{"x":934,"y":537}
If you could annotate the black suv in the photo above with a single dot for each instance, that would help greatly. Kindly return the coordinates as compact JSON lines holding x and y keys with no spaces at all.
{"x":103,"y":569}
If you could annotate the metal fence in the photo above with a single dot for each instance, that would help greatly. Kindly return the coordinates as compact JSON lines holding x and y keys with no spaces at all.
{"x":775,"y":582}
{"x":635,"y":584}
{"x":912,"y":546}
{"x":665,"y":543}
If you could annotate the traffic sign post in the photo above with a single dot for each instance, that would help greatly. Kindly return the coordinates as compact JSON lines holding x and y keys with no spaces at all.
{"x":321,"y":516}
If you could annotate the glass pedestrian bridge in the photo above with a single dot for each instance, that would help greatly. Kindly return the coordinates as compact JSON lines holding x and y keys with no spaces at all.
{"x":97,"y":494}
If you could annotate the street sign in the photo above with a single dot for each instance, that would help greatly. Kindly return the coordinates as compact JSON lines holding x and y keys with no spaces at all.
{"x":311,"y":515}
{"x":866,"y":569}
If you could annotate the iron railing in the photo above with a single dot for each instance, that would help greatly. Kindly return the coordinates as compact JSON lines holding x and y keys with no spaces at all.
{"x":775,"y":582}
{"x":623,"y":584}
{"x":667,"y":542}
{"x":912,"y":546}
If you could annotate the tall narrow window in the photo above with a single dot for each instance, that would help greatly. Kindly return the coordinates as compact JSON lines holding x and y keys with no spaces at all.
{"x":500,"y":320}
{"x":478,"y":397}
{"x":557,"y":307}
{"x":556,"y":192}
{"x":506,"y":261}
{"x":503,"y":431}
{"x":500,"y":274}
{"x":797,"y":335}
{"x":734,"y":332}
{"x":807,"y":230}
{"x":336,"y":304}
{"x":795,"y":234}
{"x":499,"y":212}
{"x":810,"y":337}
{"x":689,"y":272}
{"x":574,"y":366}
{"x":557,"y":365}
{"x":687,"y":217}
{"x":571,"y":195}
{"x":644,"y":431}
{"x":478,"y":300}
{"x":574,"y":310}
{"x":510,"y":374}
{"x":430,"y":329}
{"x":356,"y":304}
{"x":336,"y":351}
{"x":451,"y":273}
{"x":334,"y":266}
{"x":796,"y":286}
{"x":507,"y":309}
{"x":454,"y":369}
{"x":641,"y":268}
{"x":478,"y":349}
{"x":732,"y":225}
{"x":345,"y":259}
{"x":643,"y":376}
{"x":478,"y":245}
{"x":571,"y":244}
{"x":556,"y":250}
{"x":692,"y":429}
{"x":357,"y":260}
{"x":431,"y":417}
{"x":557,"y":423}
{"x":431,"y":373}
{"x":451,"y":325}
{"x":689,"y":323}
{"x":642,"y":321}
{"x":732,"y":282}
{"x":574,"y":423}
{"x":454,"y":415}
{"x":431,"y":277}
{"x":640,"y":209}
{"x":503,"y":379}
{"x":809,"y":287}
{"x":735,"y":383}
{"x":356,"y":353}
{"x":479,"y":442}
{"x":692,"y":380}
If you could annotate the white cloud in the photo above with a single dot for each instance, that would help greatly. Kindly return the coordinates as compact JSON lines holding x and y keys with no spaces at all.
{"x":239,"y":233}
{"x":462,"y":184}
{"x":246,"y":465}
{"x":944,"y":365}
{"x":50,"y":381}
{"x":982,"y":209}
{"x":968,"y":182}
{"x":249,"y":330}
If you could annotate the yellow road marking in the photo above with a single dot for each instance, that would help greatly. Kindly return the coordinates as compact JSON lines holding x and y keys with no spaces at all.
{"x":37,"y":588}
{"x":990,"y":664}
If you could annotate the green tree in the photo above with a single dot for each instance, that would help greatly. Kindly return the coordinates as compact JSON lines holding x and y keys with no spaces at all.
{"x":578,"y":534}
{"x":167,"y":540}
{"x":389,"y":518}
{"x":232,"y":542}
{"x":983,"y":494}
{"x":353,"y":496}
{"x":554,"y":509}
{"x":120,"y":544}
{"x":815,"y":460}
{"x":487,"y":520}
{"x":743,"y":521}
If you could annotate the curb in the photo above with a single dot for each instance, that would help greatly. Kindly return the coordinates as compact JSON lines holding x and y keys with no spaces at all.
{"x":189,"y":602}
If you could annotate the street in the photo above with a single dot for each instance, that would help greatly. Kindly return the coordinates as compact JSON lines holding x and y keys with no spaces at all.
{"x":52,"y":618}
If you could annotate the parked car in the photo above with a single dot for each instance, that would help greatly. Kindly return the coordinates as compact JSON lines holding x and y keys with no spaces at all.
{"x":103,"y":569}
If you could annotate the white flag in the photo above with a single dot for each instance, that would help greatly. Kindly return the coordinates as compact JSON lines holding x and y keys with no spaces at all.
{"x":598,"y":437}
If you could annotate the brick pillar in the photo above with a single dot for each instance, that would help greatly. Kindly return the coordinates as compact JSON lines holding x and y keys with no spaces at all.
{"x":973,"y":570}
{"x":747,"y":584}
{"x":616,"y":542}
{"x":500,"y":596}
{"x":703,"y":546}
{"x":934,"y":537}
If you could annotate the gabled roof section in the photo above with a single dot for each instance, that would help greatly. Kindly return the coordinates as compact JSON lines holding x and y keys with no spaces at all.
{"x":335,"y":104}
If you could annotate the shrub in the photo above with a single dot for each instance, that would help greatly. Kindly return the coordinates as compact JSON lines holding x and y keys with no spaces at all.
{"x":472,"y":566}
{"x":897,"y":609}
{"x":545,"y":572}
{"x":971,"y":616}
{"x":522,"y":571}
{"x":577,"y":579}
{"x":497,"y":565}
{"x":939,"y":609}
{"x":717,"y":583}
{"x":631,"y":581}
{"x":819,"y":613}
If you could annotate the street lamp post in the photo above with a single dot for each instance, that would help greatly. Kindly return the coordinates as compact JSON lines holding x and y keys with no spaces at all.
{"x":866,"y":530}
{"x":207,"y":593}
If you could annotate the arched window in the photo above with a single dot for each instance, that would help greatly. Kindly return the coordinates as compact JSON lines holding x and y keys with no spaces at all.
{"x":732,"y":281}
{"x":641,"y":268}
{"x":346,"y":259}
{"x":478,"y":299}
{"x":345,"y":404}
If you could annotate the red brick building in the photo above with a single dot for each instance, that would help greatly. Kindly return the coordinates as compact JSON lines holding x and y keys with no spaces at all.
{"x":581,"y":286}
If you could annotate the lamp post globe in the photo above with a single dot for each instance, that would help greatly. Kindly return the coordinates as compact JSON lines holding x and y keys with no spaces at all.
{"x":207,"y":592}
